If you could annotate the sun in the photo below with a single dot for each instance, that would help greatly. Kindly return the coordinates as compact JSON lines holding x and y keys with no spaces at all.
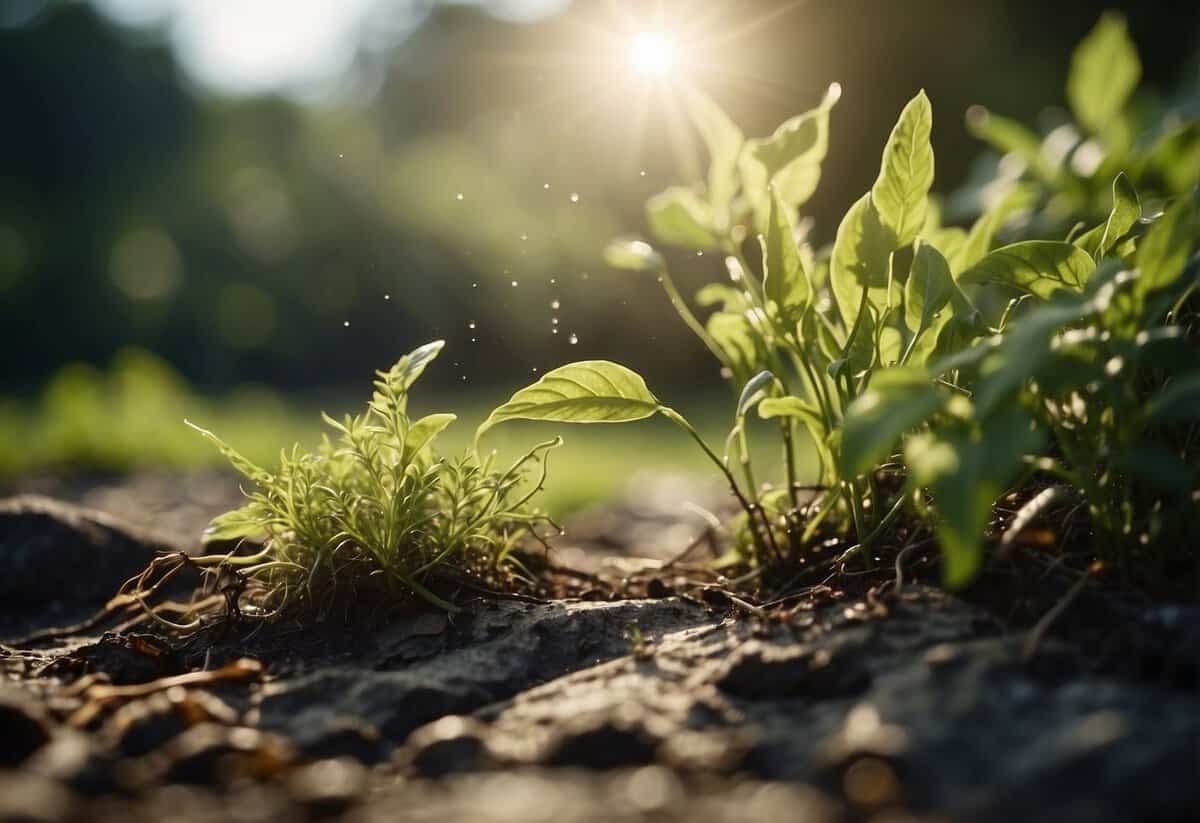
{"x":652,"y":54}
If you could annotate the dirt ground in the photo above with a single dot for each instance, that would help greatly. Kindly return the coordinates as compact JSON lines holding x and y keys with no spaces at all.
{"x":888,"y":703}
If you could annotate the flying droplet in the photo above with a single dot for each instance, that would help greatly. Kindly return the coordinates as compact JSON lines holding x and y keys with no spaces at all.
{"x":471,"y":325}
{"x":554,"y":331}
{"x":474,"y":285}
{"x":340,"y":155}
{"x":346,"y":323}
{"x":574,"y":197}
{"x":699,"y":253}
{"x":514,"y":284}
{"x":387,"y":297}
{"x":546,"y":186}
{"x":573,"y":339}
{"x":554,"y":304}
{"x":642,"y":173}
{"x":473,"y":339}
{"x":553,"y":281}
{"x":458,"y":196}
{"x":524,"y":237}
{"x":553,"y":321}
{"x":534,"y":369}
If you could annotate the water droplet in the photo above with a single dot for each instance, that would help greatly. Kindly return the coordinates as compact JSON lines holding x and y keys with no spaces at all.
{"x":546,"y":186}
{"x":554,"y":304}
{"x":473,"y":339}
{"x":346,"y":323}
{"x":464,"y":377}
{"x":534,"y":370}
{"x":340,"y":155}
{"x":573,"y":339}
{"x":699,"y":254}
{"x":553,"y":281}
{"x":474,"y":285}
{"x":586,"y":276}
{"x":458,"y":196}
{"x":524,"y":237}
{"x":387,"y":297}
{"x":471,"y":325}
{"x":574,"y":197}
{"x":554,"y":331}
{"x":514,"y":284}
{"x":642,"y":173}
{"x":553,"y":321}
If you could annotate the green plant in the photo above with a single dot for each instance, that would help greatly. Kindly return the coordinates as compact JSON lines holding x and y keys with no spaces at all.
{"x":375,"y":507}
{"x":871,"y":346}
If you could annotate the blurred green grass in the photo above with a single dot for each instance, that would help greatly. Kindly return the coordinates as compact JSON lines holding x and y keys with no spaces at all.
{"x":130,"y":417}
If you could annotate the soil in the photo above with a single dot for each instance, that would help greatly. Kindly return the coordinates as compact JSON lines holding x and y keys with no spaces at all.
{"x":878,"y":700}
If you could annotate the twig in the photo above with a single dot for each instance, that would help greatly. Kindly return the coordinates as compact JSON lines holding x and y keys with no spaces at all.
{"x":1038,"y":632}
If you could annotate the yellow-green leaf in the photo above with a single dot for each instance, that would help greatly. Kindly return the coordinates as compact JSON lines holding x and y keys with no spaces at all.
{"x":589,"y":391}
{"x":680,"y":217}
{"x":1105,"y":70}
{"x":861,"y":257}
{"x":785,"y":281}
{"x":1039,"y":267}
{"x":901,"y":191}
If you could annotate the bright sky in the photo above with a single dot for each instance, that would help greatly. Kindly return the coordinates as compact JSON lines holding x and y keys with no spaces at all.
{"x":249,"y":46}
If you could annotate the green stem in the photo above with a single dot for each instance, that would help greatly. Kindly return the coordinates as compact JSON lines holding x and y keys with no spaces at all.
{"x":679,"y":420}
{"x":690,"y":319}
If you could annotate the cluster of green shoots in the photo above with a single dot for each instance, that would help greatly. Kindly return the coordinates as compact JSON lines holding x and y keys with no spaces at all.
{"x":373,"y":510}
{"x":933,"y":368}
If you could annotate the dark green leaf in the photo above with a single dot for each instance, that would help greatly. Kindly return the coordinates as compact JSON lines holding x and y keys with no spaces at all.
{"x":1038,"y":267}
{"x":896,"y":401}
{"x":1126,"y":211}
{"x":1164,"y":251}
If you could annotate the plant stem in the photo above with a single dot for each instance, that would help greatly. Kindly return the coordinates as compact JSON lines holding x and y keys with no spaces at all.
{"x":748,"y":507}
{"x":689,"y":318}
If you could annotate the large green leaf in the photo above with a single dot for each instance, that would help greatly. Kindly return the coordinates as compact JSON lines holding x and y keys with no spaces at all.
{"x":1178,"y":401}
{"x":983,"y":232}
{"x":1163,"y":253}
{"x":861,"y":257}
{"x":896,"y":401}
{"x":1105,"y":70}
{"x":724,"y":142}
{"x":633,"y":255}
{"x":1038,"y":267}
{"x":901,"y":191}
{"x":1126,"y":211}
{"x":785,"y":281}
{"x":680,"y":217}
{"x":589,"y":391}
{"x":966,"y":472}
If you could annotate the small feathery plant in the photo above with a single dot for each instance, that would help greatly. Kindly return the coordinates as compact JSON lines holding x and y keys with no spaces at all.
{"x":373,"y":507}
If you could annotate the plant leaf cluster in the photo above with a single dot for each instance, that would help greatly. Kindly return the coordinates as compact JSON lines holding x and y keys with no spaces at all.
{"x":937,"y":368}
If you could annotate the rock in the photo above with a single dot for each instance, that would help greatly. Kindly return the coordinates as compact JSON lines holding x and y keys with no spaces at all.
{"x":328,"y":787}
{"x":26,"y":798}
{"x":60,"y":563}
{"x":24,"y":727}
